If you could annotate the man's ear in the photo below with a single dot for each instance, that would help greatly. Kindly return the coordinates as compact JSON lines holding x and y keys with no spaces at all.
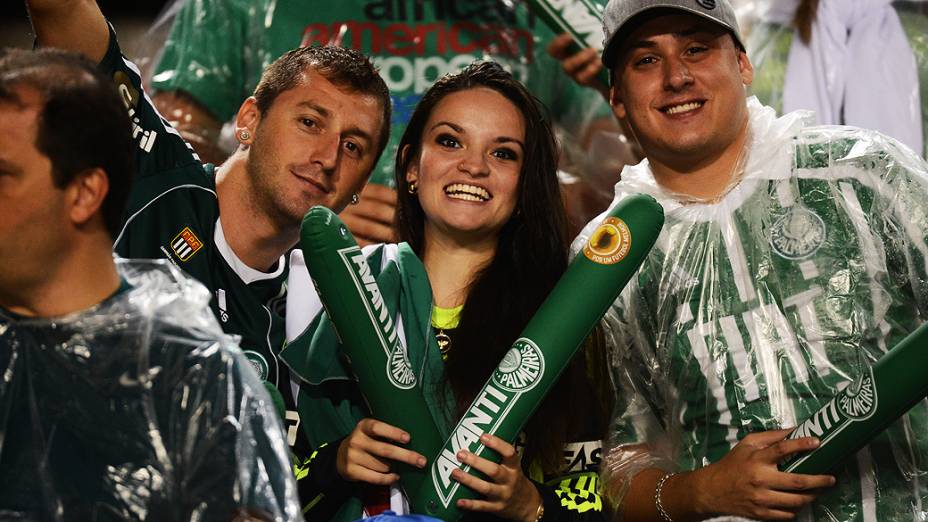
{"x":246,"y":121}
{"x":616,"y":101}
{"x":84,"y":195}
{"x":745,"y":68}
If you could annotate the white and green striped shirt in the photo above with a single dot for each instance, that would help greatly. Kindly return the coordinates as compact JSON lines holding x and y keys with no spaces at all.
{"x":751,"y":312}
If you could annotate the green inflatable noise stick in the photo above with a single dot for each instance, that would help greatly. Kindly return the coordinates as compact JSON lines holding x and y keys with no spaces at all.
{"x":368,"y":334}
{"x":530,"y":368}
{"x":582,"y":19}
{"x":865,"y":407}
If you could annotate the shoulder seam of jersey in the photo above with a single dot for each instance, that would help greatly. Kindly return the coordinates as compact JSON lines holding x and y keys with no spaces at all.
{"x":152,"y":200}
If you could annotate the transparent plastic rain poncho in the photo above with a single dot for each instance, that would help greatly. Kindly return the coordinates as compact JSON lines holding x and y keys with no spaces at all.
{"x":139,"y":408}
{"x":752,"y":312}
{"x":215,"y":50}
{"x":866,"y":64}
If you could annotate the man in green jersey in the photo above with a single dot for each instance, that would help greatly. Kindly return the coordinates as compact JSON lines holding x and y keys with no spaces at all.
{"x":792,"y":258}
{"x":311,"y":135}
{"x":117,"y":381}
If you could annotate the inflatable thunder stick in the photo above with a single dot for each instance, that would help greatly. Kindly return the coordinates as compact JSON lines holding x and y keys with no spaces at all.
{"x":528,"y":370}
{"x":865,"y":407}
{"x":581,"y":18}
{"x":368,"y":334}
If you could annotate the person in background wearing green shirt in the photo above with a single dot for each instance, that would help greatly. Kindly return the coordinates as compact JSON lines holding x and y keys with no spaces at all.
{"x":117,"y":381}
{"x":217,"y":49}
{"x":311,"y":135}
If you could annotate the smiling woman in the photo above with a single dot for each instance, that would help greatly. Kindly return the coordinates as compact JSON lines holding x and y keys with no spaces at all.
{"x":484,"y":241}
{"x":467,"y":171}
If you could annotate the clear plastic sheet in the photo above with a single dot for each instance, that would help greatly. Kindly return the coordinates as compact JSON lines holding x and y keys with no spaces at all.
{"x":768,"y":27}
{"x":139,"y":408}
{"x":217,"y":49}
{"x":752,"y":312}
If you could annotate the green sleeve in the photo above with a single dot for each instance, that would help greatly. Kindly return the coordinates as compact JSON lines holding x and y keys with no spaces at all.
{"x":204,"y":55}
{"x":572,"y":105}
{"x":156,"y":146}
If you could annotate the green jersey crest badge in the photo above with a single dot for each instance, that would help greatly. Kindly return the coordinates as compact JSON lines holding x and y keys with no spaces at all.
{"x":798,"y":234}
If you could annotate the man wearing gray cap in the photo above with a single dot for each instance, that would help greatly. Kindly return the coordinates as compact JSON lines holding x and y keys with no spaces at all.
{"x":793,"y":256}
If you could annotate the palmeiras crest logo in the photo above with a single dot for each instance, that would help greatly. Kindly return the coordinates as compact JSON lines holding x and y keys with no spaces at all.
{"x":859,"y":400}
{"x":798,"y":234}
{"x":521,"y":367}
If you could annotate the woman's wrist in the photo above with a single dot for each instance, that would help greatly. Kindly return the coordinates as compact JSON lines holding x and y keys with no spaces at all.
{"x":535,"y":506}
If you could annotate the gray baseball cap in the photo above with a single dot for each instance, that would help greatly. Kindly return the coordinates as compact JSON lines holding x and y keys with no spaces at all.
{"x":619,"y":13}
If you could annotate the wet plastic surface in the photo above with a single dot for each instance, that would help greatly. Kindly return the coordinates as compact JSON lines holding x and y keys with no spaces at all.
{"x":139,"y":408}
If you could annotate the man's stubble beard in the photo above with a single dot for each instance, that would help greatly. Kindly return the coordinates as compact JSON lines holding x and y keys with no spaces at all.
{"x":267,"y":193}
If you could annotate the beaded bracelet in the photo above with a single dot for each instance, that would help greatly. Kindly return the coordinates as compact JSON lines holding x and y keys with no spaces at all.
{"x":657,"y":497}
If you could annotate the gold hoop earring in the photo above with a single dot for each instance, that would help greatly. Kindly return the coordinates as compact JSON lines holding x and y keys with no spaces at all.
{"x":413,"y":187}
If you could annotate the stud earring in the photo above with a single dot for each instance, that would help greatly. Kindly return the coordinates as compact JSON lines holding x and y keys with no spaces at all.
{"x":244,"y":135}
{"x":355,"y":199}
{"x":413,"y":187}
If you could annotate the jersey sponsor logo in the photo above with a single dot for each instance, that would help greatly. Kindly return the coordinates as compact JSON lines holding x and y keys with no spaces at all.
{"x":521,"y":367}
{"x":578,"y":17}
{"x":412,"y":56}
{"x":856,"y":402}
{"x":415,"y":39}
{"x":521,"y":370}
{"x":399,"y":370}
{"x":130,"y":98}
{"x":798,"y":234}
{"x":609,"y":243}
{"x":258,"y":362}
{"x":443,"y":10}
{"x":582,"y":456}
{"x":185,"y":244}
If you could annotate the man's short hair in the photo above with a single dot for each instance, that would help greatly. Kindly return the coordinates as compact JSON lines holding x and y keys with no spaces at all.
{"x":339,"y":65}
{"x":82,"y":123}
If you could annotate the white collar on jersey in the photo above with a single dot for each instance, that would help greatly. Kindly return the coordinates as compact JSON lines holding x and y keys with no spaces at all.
{"x":249,"y":275}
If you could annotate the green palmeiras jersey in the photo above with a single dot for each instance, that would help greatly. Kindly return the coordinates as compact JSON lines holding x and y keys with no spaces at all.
{"x":173,"y":213}
{"x":752,"y":312}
